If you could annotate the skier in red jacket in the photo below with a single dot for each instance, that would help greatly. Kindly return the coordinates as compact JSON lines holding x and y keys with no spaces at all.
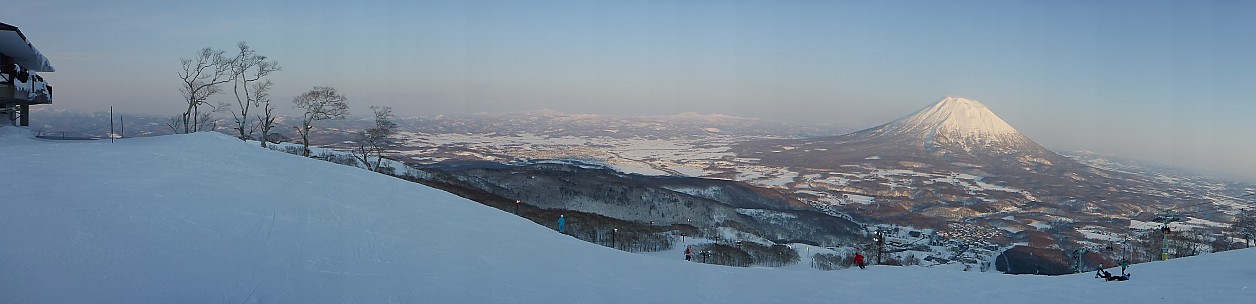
{"x":688,"y":253}
{"x":859,"y":260}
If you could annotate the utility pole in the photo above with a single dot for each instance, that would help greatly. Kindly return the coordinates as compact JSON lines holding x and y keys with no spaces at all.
{"x":880,"y":241}
{"x":1164,"y":241}
{"x":1243,"y":214}
{"x":1077,"y":259}
{"x":1126,"y":255}
{"x":1165,"y":218}
{"x":1111,"y":250}
{"x":682,"y":234}
{"x":111,"y":124}
{"x":1247,"y":237}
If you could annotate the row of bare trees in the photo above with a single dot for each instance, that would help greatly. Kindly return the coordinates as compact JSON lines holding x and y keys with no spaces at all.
{"x":205,"y":75}
{"x":202,"y":77}
{"x":247,"y":72}
{"x":251,"y":89}
{"x":323,"y":103}
{"x":373,"y":141}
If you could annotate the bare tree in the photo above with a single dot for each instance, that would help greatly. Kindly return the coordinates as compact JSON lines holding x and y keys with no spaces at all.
{"x":374,"y":140}
{"x":202,"y":78}
{"x":249,"y":70}
{"x":176,"y":123}
{"x":320,"y":103}
{"x":202,"y":121}
{"x":267,"y":120}
{"x":1245,"y":226}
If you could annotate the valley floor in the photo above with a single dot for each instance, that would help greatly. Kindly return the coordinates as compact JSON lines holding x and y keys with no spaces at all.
{"x":206,"y":218}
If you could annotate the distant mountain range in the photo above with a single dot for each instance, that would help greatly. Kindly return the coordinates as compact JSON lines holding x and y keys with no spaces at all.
{"x":557,"y":124}
{"x":953,"y":135}
{"x":542,"y":122}
{"x":953,"y":170}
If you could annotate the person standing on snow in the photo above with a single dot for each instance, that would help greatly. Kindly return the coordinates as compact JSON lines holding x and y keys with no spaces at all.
{"x":562,"y":223}
{"x":688,"y":253}
{"x":859,"y":260}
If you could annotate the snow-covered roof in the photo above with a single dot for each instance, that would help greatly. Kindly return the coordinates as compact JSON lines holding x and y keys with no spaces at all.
{"x":14,"y":44}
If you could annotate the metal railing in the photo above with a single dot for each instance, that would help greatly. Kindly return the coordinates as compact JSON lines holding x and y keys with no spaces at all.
{"x":19,"y":86}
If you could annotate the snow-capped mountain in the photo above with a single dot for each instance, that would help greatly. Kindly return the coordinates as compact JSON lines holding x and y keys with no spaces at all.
{"x":954,"y":125}
{"x":959,"y":117}
{"x":955,"y":130}
{"x":955,"y":133}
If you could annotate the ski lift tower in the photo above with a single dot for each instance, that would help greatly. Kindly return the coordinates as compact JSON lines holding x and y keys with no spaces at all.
{"x":1164,"y":219}
{"x":20,"y":83}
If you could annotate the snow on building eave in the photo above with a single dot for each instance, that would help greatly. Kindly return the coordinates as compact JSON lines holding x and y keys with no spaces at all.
{"x":14,"y":44}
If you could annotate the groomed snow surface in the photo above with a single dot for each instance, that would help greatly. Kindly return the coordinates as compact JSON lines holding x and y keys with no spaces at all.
{"x":206,"y":218}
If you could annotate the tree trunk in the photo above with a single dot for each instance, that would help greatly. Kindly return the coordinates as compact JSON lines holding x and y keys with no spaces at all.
{"x":305,"y":140}
{"x":379,"y":159}
{"x":187,"y":119}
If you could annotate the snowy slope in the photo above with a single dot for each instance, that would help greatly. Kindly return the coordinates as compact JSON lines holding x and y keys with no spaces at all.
{"x":205,"y":218}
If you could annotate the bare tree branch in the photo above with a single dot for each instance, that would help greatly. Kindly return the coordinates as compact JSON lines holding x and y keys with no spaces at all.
{"x":320,"y":103}
{"x":248,"y":69}
{"x":201,"y":78}
{"x":375,"y":140}
{"x":267,"y":120}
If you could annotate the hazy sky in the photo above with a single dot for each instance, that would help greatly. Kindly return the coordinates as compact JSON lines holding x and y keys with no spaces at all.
{"x":1169,"y":81}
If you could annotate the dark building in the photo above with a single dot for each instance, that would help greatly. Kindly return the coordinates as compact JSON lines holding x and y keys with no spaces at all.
{"x":20,"y":83}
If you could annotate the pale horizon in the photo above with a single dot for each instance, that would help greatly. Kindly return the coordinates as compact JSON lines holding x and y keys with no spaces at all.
{"x":1167,"y":82}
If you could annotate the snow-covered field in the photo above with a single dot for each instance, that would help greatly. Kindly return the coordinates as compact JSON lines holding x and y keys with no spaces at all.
{"x":684,"y":157}
{"x":206,"y":218}
{"x":708,"y":157}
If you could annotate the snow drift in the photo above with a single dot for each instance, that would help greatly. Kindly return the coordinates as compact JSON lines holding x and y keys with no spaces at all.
{"x":206,"y":218}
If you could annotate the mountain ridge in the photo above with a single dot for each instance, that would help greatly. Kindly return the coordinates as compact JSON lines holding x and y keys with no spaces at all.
{"x":954,"y":130}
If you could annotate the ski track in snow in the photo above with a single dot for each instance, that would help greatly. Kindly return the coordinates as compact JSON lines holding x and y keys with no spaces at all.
{"x":206,"y":218}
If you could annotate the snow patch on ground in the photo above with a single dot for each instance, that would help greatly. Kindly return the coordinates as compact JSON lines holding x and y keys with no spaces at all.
{"x":1040,"y":225}
{"x":1099,"y":233}
{"x":860,"y":199}
{"x":732,"y":234}
{"x":768,"y":215}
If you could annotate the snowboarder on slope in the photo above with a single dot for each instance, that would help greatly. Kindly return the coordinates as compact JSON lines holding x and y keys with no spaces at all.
{"x":688,"y":253}
{"x":1109,"y":277}
{"x":859,"y":260}
{"x":562,"y":223}
{"x":1100,"y":273}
